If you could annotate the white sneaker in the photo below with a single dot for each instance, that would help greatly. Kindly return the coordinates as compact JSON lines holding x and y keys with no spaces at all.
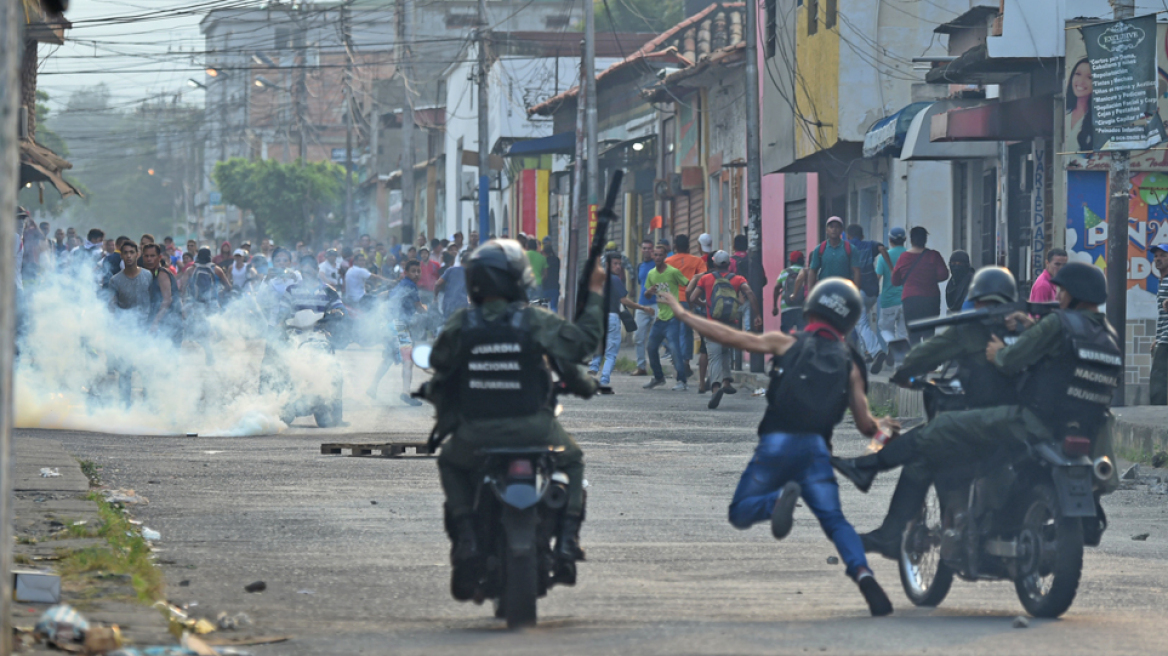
{"x":680,"y":387}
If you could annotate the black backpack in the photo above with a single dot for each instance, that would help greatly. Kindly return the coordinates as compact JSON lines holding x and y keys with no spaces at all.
{"x":204,"y":284}
{"x":742,"y":266}
{"x":810,"y":384}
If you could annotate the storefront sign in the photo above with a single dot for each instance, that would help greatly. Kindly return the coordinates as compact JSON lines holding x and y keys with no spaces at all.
{"x":1118,"y":83}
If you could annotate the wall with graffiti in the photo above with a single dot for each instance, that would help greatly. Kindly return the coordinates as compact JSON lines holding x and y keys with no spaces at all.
{"x":1087,"y":228}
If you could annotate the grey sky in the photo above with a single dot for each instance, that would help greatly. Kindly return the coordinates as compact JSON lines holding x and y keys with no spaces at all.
{"x":125,"y":46}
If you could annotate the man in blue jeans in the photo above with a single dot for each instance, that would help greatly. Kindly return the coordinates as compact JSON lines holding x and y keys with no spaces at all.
{"x":667,"y":279}
{"x":618,"y":296}
{"x":644,"y":318}
{"x":822,"y":377}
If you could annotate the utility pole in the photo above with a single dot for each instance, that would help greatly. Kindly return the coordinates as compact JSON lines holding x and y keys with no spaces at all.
{"x":579,"y":214}
{"x":11,"y":47}
{"x":753,"y":168}
{"x":484,"y":126}
{"x":589,"y":83}
{"x":350,"y":219}
{"x":300,"y":91}
{"x":1119,"y":199}
{"x":405,"y":59}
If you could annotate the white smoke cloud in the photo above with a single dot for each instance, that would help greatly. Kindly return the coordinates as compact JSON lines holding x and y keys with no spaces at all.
{"x":72,"y":346}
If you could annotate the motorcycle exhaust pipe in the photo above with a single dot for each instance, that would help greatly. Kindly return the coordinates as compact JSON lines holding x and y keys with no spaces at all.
{"x":1103,"y":468}
{"x":556,"y":497}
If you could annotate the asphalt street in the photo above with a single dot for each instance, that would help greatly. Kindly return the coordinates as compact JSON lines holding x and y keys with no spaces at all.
{"x":355,"y":558}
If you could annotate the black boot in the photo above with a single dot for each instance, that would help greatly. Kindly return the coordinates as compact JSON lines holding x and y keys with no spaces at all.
{"x":878,"y":541}
{"x":911,"y":491}
{"x":568,"y":551}
{"x":463,"y":558}
{"x":861,"y":471}
{"x":878,"y":603}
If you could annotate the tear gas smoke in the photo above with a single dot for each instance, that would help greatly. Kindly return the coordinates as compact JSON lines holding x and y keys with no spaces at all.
{"x":73,"y":350}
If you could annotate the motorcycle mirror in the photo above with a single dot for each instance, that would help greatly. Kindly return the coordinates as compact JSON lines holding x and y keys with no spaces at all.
{"x":421,"y":356}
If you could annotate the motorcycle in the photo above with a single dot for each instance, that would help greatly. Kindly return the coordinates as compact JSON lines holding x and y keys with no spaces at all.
{"x":519,"y":510}
{"x":1022,"y":515}
{"x":309,"y":330}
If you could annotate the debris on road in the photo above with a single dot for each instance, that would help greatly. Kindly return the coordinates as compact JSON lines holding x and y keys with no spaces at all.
{"x":258,"y":586}
{"x":37,"y":586}
{"x":832,"y":560}
{"x":1132,"y":473}
{"x":307,"y":592}
{"x":150,"y":535}
{"x":102,"y":639}
{"x":62,"y":626}
{"x":124,"y":496}
{"x":1141,"y":537}
{"x":1021,"y":622}
{"x":233,"y":622}
{"x":1160,"y":459}
{"x":46,"y":472}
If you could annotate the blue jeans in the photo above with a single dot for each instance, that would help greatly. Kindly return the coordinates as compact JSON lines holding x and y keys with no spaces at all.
{"x":644,"y":322}
{"x":611,"y":347}
{"x":803,"y":458}
{"x":686,"y":339}
{"x":668,"y":332}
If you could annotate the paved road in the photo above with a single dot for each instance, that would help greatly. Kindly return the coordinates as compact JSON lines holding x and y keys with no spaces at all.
{"x":666,"y":573}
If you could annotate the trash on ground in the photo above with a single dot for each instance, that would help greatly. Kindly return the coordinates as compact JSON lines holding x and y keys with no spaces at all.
{"x":308,"y":592}
{"x":37,"y":586}
{"x":1141,"y":537}
{"x":150,"y":534}
{"x":1021,"y":622}
{"x":124,"y":496}
{"x":759,"y":392}
{"x":47,"y":472}
{"x":1160,"y":459}
{"x":1132,"y":473}
{"x":61,"y":625}
{"x":101,"y":639}
{"x":832,"y":560}
{"x":184,"y":583}
{"x":233,"y":622}
{"x":224,"y":641}
{"x":197,"y":646}
{"x":258,"y":586}
{"x":81,"y":522}
{"x":153,"y":651}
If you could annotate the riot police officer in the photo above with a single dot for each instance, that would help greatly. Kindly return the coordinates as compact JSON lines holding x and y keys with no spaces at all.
{"x":1073,"y":361}
{"x":492,"y":387}
{"x":983,"y":384}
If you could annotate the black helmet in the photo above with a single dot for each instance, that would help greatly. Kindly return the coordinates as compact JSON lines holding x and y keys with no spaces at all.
{"x":993,"y":284}
{"x":1084,"y":282}
{"x":837,"y":302}
{"x":499,"y":268}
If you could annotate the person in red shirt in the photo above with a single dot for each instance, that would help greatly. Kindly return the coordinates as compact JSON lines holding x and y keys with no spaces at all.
{"x":703,"y":290}
{"x":920,"y":270}
{"x":429,"y":275}
{"x":689,"y":266}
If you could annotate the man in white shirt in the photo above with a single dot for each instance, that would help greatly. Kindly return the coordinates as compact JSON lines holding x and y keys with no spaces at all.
{"x":328,"y":272}
{"x":355,"y":279}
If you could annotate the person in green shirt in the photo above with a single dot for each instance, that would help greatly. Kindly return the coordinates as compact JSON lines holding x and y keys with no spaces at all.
{"x":667,"y":328}
{"x":891,"y":320}
{"x":538,"y":261}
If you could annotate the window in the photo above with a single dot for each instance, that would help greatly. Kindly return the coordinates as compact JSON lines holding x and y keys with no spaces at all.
{"x":772,"y":27}
{"x":830,"y":14}
{"x":812,"y":17}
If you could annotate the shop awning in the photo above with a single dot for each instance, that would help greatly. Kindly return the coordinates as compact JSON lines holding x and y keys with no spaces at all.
{"x":918,"y":146}
{"x":1012,"y":120}
{"x":886,"y":136}
{"x":563,"y":143}
{"x":39,"y":164}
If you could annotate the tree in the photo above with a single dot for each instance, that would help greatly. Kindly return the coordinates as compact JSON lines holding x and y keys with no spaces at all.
{"x":639,"y":15}
{"x":49,"y":200}
{"x":283,"y":198}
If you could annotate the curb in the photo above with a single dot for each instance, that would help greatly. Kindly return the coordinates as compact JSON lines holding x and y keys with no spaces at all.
{"x":1139,"y":438}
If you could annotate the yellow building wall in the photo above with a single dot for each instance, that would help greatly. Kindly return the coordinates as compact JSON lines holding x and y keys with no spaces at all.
{"x":817,"y":66}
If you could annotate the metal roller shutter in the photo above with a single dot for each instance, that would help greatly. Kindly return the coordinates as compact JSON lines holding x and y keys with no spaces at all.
{"x":697,"y":219}
{"x":794,"y":228}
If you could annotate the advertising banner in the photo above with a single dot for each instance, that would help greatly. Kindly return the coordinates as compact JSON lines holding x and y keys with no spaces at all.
{"x":1121,"y":58}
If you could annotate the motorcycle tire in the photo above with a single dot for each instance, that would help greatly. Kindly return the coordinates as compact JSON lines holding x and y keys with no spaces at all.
{"x":520,"y":589}
{"x":1040,"y":525}
{"x":926,"y":579}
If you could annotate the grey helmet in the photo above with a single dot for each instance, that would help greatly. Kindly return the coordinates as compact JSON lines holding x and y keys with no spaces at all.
{"x":993,"y":284}
{"x":1084,"y":282}
{"x":499,"y":268}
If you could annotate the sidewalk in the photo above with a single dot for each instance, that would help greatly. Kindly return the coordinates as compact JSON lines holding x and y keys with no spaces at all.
{"x":1141,"y":430}
{"x":45,"y":508}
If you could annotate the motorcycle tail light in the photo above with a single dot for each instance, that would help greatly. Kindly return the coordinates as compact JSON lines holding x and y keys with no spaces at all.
{"x":1076,"y":446}
{"x":520,"y":468}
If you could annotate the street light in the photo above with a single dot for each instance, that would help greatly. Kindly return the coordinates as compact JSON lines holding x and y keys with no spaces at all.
{"x":214,"y":72}
{"x":263,"y":60}
{"x":264,"y":83}
{"x":195,"y":84}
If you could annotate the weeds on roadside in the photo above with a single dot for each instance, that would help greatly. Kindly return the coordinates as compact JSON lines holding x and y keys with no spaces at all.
{"x":886,"y":409}
{"x":625,"y":365}
{"x":126,"y":553}
{"x":92,"y":471}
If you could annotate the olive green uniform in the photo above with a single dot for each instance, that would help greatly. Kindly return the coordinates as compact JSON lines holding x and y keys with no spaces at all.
{"x":568,"y":345}
{"x":955,"y":439}
{"x":958,"y":341}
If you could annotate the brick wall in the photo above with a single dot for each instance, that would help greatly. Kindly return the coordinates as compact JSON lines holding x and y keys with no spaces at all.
{"x":1141,"y":335}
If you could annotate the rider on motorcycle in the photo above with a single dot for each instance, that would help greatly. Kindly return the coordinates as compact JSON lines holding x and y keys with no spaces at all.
{"x":310,"y":293}
{"x":1073,"y":361}
{"x":492,"y":388}
{"x":983,"y":384}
